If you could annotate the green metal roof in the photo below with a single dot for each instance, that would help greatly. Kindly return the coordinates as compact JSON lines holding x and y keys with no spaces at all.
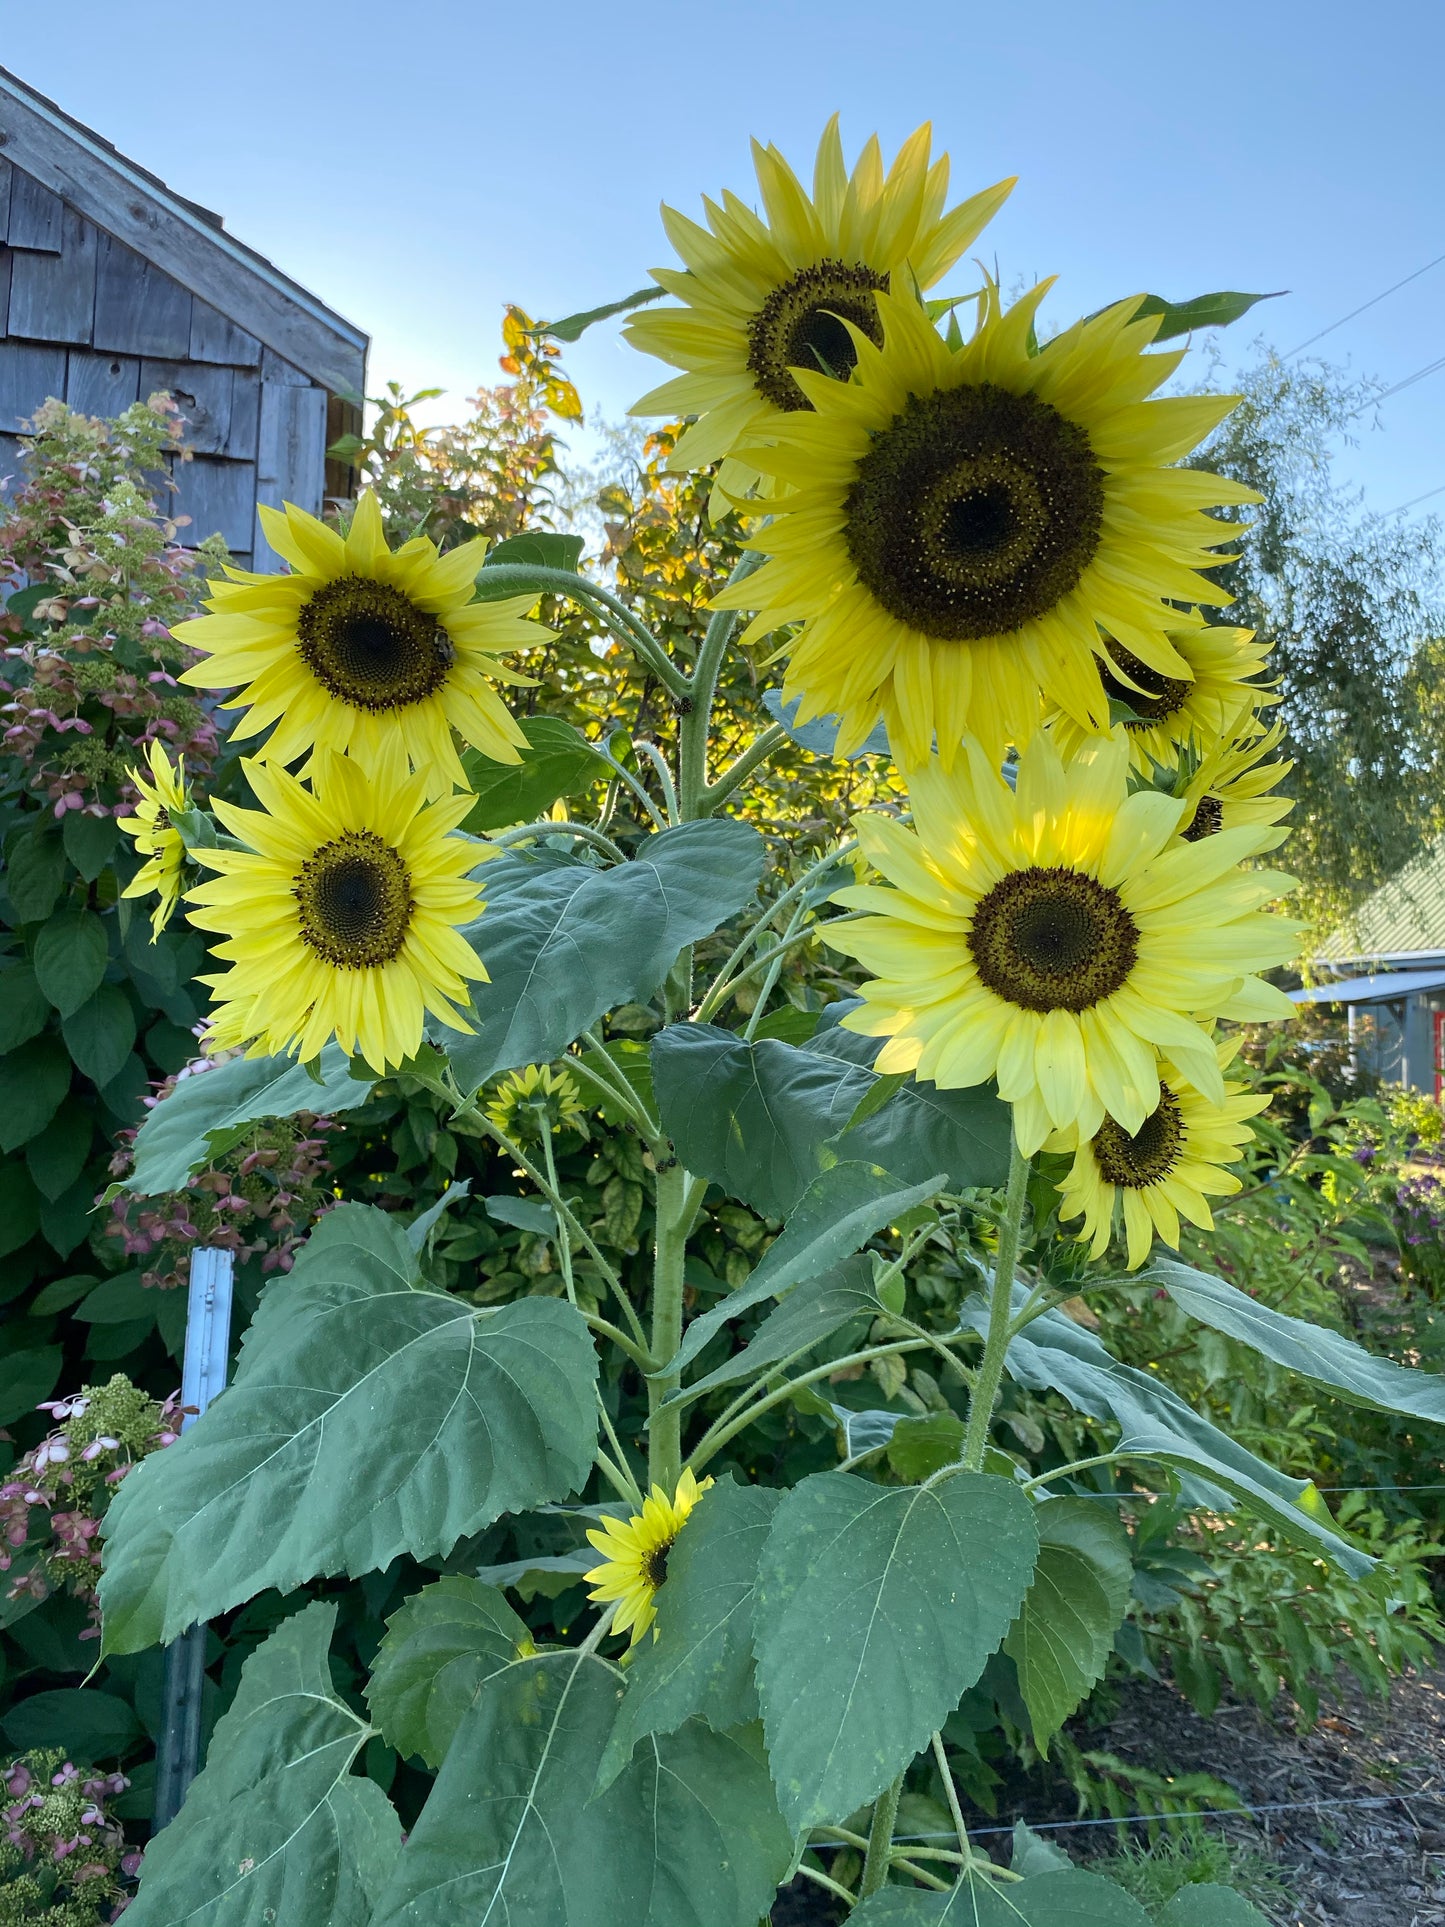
{"x":1404,"y":917}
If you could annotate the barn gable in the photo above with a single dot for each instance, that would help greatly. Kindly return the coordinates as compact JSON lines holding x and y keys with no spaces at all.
{"x":112,"y":286}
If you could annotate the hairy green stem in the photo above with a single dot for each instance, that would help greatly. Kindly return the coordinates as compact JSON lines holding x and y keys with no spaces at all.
{"x":601,"y":601}
{"x":580,"y":832}
{"x":1000,"y":1313}
{"x":758,"y":751}
{"x":664,"y":1451}
{"x":664,"y":776}
{"x":698,"y":695}
{"x":734,"y":1421}
{"x":880,"y":1839}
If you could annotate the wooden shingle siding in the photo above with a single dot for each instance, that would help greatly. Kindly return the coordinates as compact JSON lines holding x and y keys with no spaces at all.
{"x":245,"y":415}
{"x":28,"y":375}
{"x":219,"y":497}
{"x":214,"y":338}
{"x":6,"y":258}
{"x":6,"y":176}
{"x":52,"y":296}
{"x":101,"y":384}
{"x":290,"y":456}
{"x":37,"y":216}
{"x":139,"y":309}
{"x":203,"y":396}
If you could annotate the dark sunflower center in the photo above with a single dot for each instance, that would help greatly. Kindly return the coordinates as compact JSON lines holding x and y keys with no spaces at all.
{"x":1207,"y":820}
{"x":371,"y":646}
{"x":801,"y":325}
{"x":1156,"y":698}
{"x":975,"y":511}
{"x":654,"y":1565}
{"x":355,"y":898}
{"x":1051,"y":939}
{"x":1152,"y":1151}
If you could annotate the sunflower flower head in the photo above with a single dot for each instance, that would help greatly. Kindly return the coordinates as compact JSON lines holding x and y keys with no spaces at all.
{"x":1166,"y":1170}
{"x":340,"y":915}
{"x":154,"y":835}
{"x":360,"y":646}
{"x":1164,"y":716}
{"x":1058,"y":937}
{"x":635,"y":1553}
{"x":540,"y":1099}
{"x":1234,"y":787}
{"x":953,"y":527}
{"x":764,"y":295}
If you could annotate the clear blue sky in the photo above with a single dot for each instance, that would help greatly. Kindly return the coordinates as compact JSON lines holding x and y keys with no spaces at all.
{"x":417,"y":165}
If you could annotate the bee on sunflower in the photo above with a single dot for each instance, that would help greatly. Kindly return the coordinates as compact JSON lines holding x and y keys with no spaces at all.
{"x":955,"y":525}
{"x":340,"y":914}
{"x":763,"y":296}
{"x":361,"y":645}
{"x":1058,"y":937}
{"x":156,"y":837}
{"x":1166,"y":1170}
{"x":635,"y":1554}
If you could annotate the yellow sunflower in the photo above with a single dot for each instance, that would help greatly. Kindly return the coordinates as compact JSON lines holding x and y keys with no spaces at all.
{"x":1232,"y":789}
{"x":1194,"y":712}
{"x":1057,"y":937}
{"x":1166,"y":1170}
{"x":635,"y":1550}
{"x":154,"y":837}
{"x":954,"y":525}
{"x":359,"y":646}
{"x":340,"y":915}
{"x":765,"y":295}
{"x":528,"y":1101}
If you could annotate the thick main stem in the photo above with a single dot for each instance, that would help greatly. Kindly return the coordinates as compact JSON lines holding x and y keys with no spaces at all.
{"x":664,"y":1451}
{"x":1000,"y":1313}
{"x":880,"y":1839}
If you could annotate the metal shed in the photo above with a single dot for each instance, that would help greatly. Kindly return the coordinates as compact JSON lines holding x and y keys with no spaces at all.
{"x":113,"y":286}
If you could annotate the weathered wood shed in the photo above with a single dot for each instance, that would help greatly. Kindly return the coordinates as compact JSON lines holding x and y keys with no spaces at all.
{"x":113,"y":286}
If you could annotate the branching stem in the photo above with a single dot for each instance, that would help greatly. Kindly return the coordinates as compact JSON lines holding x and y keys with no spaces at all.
{"x":990,"y":1370}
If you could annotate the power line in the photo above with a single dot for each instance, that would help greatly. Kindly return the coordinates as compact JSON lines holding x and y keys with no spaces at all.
{"x":1430,"y":368}
{"x":1204,"y":1813}
{"x":1372,"y":302}
{"x":1414,"y":500}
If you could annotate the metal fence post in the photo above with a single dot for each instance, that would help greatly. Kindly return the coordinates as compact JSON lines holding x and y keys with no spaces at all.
{"x":208,"y":1346}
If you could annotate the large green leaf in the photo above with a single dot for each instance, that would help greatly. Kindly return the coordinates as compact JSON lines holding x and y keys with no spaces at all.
{"x":763,"y":1119}
{"x":70,"y":954}
{"x":1202,"y":311}
{"x":1208,"y":1905}
{"x":35,"y":873}
{"x":820,"y":736}
{"x":19,"y":1210}
{"x":100,"y":1033}
{"x":688,"y":1835}
{"x":701,"y":1661}
{"x":557,"y":762}
{"x":808,"y":1315}
{"x":1072,"y":1899}
{"x":1055,"y":1354}
{"x":276,"y":1829}
{"x":438,"y":1652}
{"x":536,"y":549}
{"x":877,"y":1608}
{"x":1063,"y":1636}
{"x":1328,"y":1359}
{"x":564,"y":942}
{"x":90,"y":1725}
{"x":206,"y":1115}
{"x":24,"y":1007}
{"x":33,"y":1080}
{"x":838,"y":1213}
{"x":368,"y":1417}
{"x":572,"y":326}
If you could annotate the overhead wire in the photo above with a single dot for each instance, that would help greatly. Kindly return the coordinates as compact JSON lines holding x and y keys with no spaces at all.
{"x":1372,"y":302}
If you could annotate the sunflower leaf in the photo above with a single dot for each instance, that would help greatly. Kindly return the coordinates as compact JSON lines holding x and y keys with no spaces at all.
{"x":820,"y":736}
{"x":276,"y":1828}
{"x":368,"y":1417}
{"x":1057,"y":1899}
{"x":1204,"y":311}
{"x":558,"y":762}
{"x":877,"y":1608}
{"x":1064,"y":1634}
{"x":701,"y":1661}
{"x":1326,"y":1358}
{"x":439,"y":1651}
{"x":205,"y":1116}
{"x":573,"y":326}
{"x":563,"y":942}
{"x":687,"y":1835}
{"x":1207,"y":1904}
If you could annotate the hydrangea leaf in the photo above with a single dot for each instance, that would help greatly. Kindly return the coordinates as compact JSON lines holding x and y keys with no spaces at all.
{"x":438,"y":1652}
{"x":701,"y":1661}
{"x":277,"y":1828}
{"x":877,"y":1608}
{"x":369,"y":1417}
{"x":688,"y":1835}
{"x":1064,"y":1634}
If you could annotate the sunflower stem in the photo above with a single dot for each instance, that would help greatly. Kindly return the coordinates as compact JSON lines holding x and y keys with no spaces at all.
{"x":698,"y":696}
{"x":664,"y":1449}
{"x":758,"y":751}
{"x":1000,"y":1312}
{"x":880,"y":1839}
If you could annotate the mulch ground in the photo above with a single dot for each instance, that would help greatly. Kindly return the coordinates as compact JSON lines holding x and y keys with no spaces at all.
{"x":1380,"y":1864}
